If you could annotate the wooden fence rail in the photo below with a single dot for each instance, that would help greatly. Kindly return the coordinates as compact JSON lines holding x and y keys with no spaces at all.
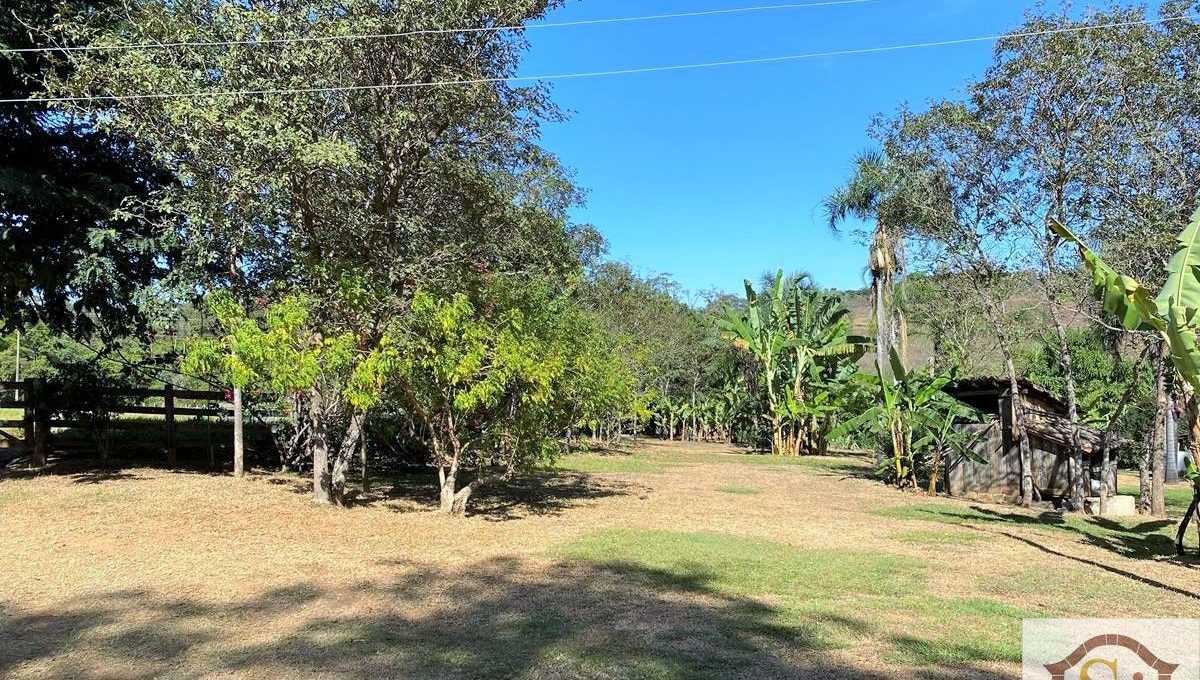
{"x":32,"y":397}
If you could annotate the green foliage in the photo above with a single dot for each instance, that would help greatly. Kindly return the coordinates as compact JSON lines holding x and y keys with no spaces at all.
{"x":331,"y":210}
{"x":1193,"y":475}
{"x":1102,"y":377}
{"x":281,"y":351}
{"x":1171,"y":313}
{"x":800,"y":341}
{"x":915,"y":420}
{"x":397,"y":187}
{"x":667,"y":346}
{"x":70,"y":256}
{"x":496,"y":380}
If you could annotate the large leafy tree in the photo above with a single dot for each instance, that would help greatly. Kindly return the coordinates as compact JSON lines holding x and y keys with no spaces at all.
{"x":1074,"y":112}
{"x":496,"y":379}
{"x":341,"y":170}
{"x":71,"y":255}
{"x":950,"y":153}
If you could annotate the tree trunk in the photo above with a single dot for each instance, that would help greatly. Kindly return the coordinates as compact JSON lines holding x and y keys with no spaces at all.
{"x":1171,"y":459}
{"x":1017,"y":415}
{"x":899,"y":320}
{"x":319,"y":443}
{"x":447,"y":482}
{"x":1016,"y":410}
{"x":239,"y":439}
{"x":1026,"y":451}
{"x":778,"y":446}
{"x":933,"y":471}
{"x":881,"y":329}
{"x":345,"y":453}
{"x":1158,"y":446}
{"x":1183,"y":523}
{"x":1143,"y":505}
{"x":362,"y":457}
{"x":1080,"y":479}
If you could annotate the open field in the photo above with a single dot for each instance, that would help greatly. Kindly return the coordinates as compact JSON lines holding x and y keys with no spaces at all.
{"x":681,"y":561}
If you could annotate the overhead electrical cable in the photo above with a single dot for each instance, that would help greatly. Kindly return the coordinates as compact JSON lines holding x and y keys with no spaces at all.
{"x":435,"y":31}
{"x":616,"y":72}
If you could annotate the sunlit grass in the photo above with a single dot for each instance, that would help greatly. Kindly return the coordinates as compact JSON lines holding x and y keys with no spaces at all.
{"x":656,"y":460}
{"x":1176,"y":498}
{"x":931,"y":537}
{"x":1138,"y":537}
{"x":739,"y":490}
{"x":815,"y":599}
{"x":620,"y":463}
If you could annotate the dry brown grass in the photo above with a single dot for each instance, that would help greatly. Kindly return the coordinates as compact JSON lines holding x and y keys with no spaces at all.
{"x":148,"y":573}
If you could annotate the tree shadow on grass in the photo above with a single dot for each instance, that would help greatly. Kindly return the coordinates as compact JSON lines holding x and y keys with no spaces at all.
{"x":494,"y":619}
{"x":88,"y":467}
{"x":1140,"y":541}
{"x":78,"y":470}
{"x":531,"y":494}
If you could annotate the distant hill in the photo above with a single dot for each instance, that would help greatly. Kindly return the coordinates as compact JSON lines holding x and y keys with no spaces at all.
{"x":1028,"y":314}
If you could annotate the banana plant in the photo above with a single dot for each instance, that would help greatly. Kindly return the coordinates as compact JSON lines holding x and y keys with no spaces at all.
{"x":1171,"y":312}
{"x":819,"y":330}
{"x":762,"y":331}
{"x":913,"y":413}
{"x":795,"y":335}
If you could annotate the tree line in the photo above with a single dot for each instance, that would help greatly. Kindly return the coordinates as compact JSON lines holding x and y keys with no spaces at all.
{"x":402,"y":261}
{"x":1089,"y":122}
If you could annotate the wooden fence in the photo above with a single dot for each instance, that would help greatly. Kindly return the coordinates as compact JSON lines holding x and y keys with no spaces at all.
{"x":37,"y":421}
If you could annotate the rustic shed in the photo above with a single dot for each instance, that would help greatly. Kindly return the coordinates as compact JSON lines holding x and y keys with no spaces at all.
{"x":1050,"y":439}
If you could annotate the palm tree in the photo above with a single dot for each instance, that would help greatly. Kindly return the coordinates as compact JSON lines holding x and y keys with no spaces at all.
{"x":874,"y":192}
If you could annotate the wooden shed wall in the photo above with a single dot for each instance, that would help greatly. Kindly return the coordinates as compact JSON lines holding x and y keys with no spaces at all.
{"x":1001,"y":474}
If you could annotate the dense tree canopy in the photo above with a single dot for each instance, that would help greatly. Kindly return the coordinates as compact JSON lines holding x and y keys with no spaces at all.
{"x":71,"y":254}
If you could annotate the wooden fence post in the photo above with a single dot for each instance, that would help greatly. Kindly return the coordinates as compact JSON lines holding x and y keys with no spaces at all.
{"x":169,"y":417}
{"x":41,"y":415}
{"x":28,"y":418}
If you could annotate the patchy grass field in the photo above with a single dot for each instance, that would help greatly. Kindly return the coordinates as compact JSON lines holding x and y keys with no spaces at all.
{"x":1176,"y":497}
{"x":679,"y":561}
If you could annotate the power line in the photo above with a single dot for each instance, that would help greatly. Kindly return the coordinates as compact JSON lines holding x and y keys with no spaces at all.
{"x":617,"y":72}
{"x":439,"y":31}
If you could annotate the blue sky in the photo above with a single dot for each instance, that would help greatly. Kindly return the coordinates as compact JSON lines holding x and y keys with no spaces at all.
{"x":716,"y":175}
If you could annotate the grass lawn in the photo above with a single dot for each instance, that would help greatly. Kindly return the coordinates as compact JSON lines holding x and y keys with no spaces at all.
{"x":669,"y":563}
{"x":1177,"y":496}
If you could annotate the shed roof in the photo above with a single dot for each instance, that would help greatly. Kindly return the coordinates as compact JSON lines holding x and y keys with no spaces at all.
{"x":1055,"y":427}
{"x":1000,"y":385}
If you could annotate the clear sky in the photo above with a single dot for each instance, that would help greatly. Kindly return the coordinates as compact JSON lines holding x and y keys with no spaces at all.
{"x":716,"y":175}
